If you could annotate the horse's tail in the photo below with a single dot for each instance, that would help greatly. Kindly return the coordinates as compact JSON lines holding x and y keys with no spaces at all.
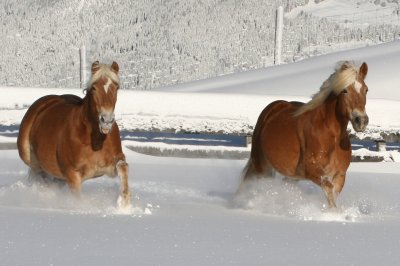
{"x":249,"y":170}
{"x":258,"y":165}
{"x":257,"y":168}
{"x":254,"y":167}
{"x":256,"y":162}
{"x":23,"y":140}
{"x":247,"y":173}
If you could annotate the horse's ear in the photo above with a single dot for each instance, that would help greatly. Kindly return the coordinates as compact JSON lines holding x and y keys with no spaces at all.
{"x":363,"y":70}
{"x":115,"y":67}
{"x":95,"y":67}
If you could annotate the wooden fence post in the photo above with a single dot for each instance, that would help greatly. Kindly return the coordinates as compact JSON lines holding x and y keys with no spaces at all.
{"x":278,"y":36}
{"x":82,"y":56}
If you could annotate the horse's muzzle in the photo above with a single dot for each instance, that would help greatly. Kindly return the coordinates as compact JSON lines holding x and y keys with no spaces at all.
{"x":359,"y":121}
{"x":106,"y":121}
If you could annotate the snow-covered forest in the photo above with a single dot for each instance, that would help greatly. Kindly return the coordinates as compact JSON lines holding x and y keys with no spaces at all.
{"x":162,"y":42}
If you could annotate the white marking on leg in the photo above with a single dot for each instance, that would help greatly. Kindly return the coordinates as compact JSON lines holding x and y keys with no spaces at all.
{"x":326,"y":178}
{"x":124,"y":198}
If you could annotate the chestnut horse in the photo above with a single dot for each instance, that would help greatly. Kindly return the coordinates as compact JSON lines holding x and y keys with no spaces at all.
{"x":310,"y":141}
{"x":74,"y":139}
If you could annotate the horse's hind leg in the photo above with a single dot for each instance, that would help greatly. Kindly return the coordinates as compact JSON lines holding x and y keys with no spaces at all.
{"x":43,"y":179}
{"x":74,"y":182}
{"x":36,"y":177}
{"x":125,"y":196}
{"x":36,"y":174}
{"x":252,"y":171}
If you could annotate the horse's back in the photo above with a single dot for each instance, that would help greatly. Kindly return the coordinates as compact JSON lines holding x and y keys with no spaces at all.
{"x":38,"y":108}
{"x":71,"y":99}
{"x":273,"y":111}
{"x":276,"y":137}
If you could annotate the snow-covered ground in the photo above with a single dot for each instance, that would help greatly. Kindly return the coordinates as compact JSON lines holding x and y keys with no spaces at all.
{"x":185,"y":210}
{"x":185,"y":213}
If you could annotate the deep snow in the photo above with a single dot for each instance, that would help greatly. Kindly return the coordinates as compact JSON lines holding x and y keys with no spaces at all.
{"x":185,"y":213}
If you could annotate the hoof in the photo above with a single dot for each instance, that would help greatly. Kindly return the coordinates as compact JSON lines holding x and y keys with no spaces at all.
{"x":124,"y":201}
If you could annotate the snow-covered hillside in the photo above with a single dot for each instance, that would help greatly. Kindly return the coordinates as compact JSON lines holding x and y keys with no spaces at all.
{"x":352,"y":12}
{"x":162,"y":42}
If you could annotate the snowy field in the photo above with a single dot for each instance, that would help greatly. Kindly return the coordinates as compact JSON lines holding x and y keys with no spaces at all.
{"x":185,"y":210}
{"x":185,"y":214}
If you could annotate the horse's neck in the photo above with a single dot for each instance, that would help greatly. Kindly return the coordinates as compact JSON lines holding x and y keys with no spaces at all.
{"x":334,"y":117}
{"x":89,"y":117}
{"x":87,"y":111}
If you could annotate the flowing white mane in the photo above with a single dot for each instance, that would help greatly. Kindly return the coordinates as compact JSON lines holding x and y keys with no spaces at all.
{"x":103,"y":70}
{"x":345,"y":74}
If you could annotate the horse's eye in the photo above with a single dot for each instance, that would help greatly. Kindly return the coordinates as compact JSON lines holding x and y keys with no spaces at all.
{"x":345,"y":91}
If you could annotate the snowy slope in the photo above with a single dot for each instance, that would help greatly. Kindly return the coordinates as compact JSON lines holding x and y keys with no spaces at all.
{"x":305,"y":77}
{"x":351,"y":11}
{"x":232,"y":103}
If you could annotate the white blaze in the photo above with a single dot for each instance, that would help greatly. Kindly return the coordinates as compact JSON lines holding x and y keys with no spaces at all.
{"x":357,"y":86}
{"x":107,"y":85}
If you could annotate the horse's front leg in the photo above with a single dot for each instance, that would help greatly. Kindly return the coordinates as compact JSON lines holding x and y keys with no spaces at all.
{"x":328,"y":188}
{"x":122,"y":168}
{"x":332,"y":186}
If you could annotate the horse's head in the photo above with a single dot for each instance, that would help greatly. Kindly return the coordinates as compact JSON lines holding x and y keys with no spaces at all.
{"x":103,"y":92}
{"x":353,"y":97}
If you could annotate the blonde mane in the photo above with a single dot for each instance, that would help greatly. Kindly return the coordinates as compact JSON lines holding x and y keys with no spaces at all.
{"x":103,"y":70}
{"x":345,"y":74}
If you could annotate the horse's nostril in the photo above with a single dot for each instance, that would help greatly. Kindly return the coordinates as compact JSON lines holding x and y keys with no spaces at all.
{"x":357,"y":120}
{"x":107,"y":118}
